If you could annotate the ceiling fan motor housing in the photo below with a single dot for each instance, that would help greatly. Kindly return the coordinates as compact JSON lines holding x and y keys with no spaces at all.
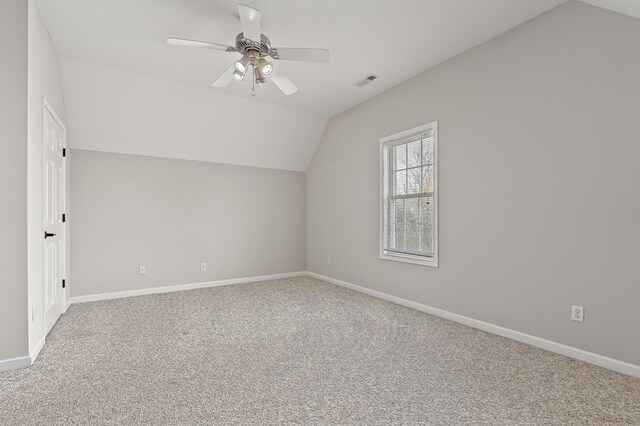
{"x":253,"y":48}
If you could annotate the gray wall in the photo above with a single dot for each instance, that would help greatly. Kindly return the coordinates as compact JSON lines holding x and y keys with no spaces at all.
{"x":13,"y":178}
{"x":171,"y":215}
{"x":539,"y":182}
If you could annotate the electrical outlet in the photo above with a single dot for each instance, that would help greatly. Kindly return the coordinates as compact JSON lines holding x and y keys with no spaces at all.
{"x":203,"y":266}
{"x":328,"y":261}
{"x":142,"y":269}
{"x":577,"y":313}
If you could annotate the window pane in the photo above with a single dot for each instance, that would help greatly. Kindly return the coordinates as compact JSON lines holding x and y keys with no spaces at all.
{"x":412,"y":238}
{"x":398,"y":211}
{"x":427,"y":151}
{"x":426,"y":207}
{"x":400,"y":156}
{"x":400,"y":183}
{"x":412,"y":231}
{"x":396,"y":227}
{"x":398,"y":242}
{"x":427,"y":179}
{"x":412,"y":213}
{"x":414,"y":185}
{"x":414,"y":154}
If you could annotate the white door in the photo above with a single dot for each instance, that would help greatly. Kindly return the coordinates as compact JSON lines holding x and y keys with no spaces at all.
{"x":54,"y":203}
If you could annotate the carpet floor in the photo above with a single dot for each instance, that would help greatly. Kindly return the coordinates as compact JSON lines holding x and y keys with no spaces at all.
{"x":303,"y":352}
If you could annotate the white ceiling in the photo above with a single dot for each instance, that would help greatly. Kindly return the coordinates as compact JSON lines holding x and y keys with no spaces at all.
{"x":627,"y":7}
{"x":396,"y":39}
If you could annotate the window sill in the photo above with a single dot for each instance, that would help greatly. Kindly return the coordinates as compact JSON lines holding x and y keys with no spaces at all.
{"x":433,"y":262}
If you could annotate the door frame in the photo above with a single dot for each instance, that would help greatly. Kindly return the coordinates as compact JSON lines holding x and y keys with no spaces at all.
{"x":47,"y":108}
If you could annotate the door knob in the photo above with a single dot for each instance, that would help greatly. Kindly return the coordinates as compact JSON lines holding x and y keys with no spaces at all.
{"x":47,"y":235}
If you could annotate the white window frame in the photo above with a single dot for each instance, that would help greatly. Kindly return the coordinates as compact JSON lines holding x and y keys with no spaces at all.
{"x":400,"y":257}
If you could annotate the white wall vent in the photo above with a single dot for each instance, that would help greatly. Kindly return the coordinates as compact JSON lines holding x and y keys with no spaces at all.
{"x":368,"y":79}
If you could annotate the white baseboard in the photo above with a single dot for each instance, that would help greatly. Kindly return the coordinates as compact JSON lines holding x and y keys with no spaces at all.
{"x":36,"y":351}
{"x":180,"y":287}
{"x":15,"y":363}
{"x":579,"y":354}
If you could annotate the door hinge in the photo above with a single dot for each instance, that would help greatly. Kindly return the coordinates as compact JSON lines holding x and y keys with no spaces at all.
{"x":64,"y":152}
{"x":64,"y":218}
{"x":64,"y":283}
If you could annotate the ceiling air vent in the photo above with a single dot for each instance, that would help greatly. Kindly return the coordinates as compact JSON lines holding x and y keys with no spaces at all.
{"x":368,"y":79}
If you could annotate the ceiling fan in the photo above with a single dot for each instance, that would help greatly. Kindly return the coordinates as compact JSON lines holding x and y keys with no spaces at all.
{"x":255,"y":47}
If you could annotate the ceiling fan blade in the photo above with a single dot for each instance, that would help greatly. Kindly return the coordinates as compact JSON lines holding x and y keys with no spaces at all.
{"x":225,"y":78}
{"x":251,"y":22}
{"x":195,"y":43}
{"x":305,"y":55}
{"x":284,"y":84}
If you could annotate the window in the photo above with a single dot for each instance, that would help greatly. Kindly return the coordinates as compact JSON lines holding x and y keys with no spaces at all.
{"x":409,"y":219}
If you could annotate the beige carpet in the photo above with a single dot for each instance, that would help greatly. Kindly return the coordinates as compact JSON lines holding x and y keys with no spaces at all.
{"x":298,"y":351}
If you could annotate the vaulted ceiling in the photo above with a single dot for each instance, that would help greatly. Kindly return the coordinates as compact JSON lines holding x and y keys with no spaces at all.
{"x":395,"y":39}
{"x":626,"y":7}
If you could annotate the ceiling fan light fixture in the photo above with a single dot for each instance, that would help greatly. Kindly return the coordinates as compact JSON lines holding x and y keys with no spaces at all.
{"x":259,"y":76}
{"x":265,"y":66}
{"x":254,"y":49}
{"x":239,"y":75}
{"x":242,"y":64}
